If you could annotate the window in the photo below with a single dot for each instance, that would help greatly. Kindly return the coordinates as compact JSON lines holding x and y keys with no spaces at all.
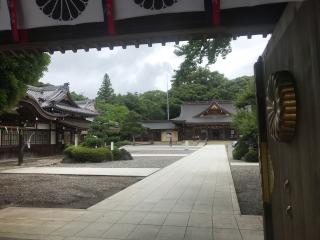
{"x":9,"y":137}
{"x":37,"y":137}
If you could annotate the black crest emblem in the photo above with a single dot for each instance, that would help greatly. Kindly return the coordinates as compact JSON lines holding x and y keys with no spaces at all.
{"x":155,"y":4}
{"x":62,"y":10}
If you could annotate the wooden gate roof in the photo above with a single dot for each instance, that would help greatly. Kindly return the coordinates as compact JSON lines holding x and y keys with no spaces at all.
{"x":236,"y":18}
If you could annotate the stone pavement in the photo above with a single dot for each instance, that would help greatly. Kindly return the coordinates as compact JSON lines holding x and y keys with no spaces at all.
{"x":158,"y":155}
{"x":124,"y":172}
{"x":194,"y":198}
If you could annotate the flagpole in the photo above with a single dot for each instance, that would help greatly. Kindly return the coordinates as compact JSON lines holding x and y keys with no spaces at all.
{"x":168,"y":110}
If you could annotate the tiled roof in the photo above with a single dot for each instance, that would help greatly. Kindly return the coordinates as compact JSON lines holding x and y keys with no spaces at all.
{"x":47,"y":95}
{"x":75,"y":110}
{"x":158,"y":125}
{"x":52,"y":96}
{"x":88,"y":104}
{"x":191,"y":112}
{"x":78,"y":123}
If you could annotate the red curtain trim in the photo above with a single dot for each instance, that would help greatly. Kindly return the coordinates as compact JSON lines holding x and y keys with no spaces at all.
{"x":18,"y":35}
{"x":12,"y":5}
{"x":216,"y":20}
{"x":110,"y":17}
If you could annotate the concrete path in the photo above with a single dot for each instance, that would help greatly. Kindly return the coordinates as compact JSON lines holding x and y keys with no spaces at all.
{"x":161,"y":148}
{"x":194,"y":198}
{"x":159,"y":155}
{"x":127,"y":172}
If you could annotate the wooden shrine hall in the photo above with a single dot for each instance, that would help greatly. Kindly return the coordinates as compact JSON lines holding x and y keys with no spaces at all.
{"x":48,"y":119}
{"x":202,"y":120}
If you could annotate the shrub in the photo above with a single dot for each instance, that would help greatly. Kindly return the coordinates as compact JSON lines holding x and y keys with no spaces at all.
{"x":85,"y":154}
{"x":116,"y":154}
{"x":113,"y":139}
{"x":92,"y":142}
{"x":125,"y":155}
{"x":122,"y":143}
{"x":240,"y":150}
{"x":121,"y":154}
{"x":69,"y":151}
{"x":251,"y":156}
{"x":109,"y":154}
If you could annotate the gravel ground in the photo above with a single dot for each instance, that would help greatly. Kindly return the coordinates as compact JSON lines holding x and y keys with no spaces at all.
{"x":63,"y":191}
{"x":58,"y":191}
{"x":137,"y":162}
{"x":247,"y":184}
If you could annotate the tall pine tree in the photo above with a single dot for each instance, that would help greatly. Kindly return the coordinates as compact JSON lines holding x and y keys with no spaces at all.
{"x":106,"y":93}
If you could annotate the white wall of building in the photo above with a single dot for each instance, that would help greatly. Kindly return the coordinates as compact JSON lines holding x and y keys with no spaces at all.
{"x":53,"y":137}
{"x":43,"y":126}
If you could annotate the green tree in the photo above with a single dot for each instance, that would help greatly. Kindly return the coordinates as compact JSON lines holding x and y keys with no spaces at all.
{"x":196,"y":51}
{"x":16,"y":73}
{"x":199,"y":75}
{"x":110,"y":120}
{"x":112,"y":112}
{"x":191,"y":92}
{"x":245,"y":121}
{"x":153,"y":105}
{"x":130,"y":100}
{"x":247,"y":97}
{"x":77,"y":96}
{"x":132,"y":126}
{"x":106,"y":92}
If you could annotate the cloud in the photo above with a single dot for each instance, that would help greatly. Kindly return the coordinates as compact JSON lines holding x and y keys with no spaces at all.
{"x":245,"y":53}
{"x":140,"y":69}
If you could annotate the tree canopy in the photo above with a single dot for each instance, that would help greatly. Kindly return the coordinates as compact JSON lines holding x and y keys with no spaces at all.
{"x":78,"y":96}
{"x":196,"y":51}
{"x":16,"y":73}
{"x":245,"y":120}
{"x":105,"y":92}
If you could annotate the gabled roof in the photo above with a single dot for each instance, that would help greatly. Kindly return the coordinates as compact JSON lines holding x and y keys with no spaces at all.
{"x":58,"y":98}
{"x":159,"y":125}
{"x":206,"y":112}
{"x":47,"y":95}
{"x":88,"y":104}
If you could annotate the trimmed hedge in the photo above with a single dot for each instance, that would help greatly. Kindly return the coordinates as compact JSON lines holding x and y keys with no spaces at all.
{"x":84,"y":154}
{"x":92,"y":142}
{"x":251,"y":156}
{"x":240,"y":150}
{"x":121,"y":154}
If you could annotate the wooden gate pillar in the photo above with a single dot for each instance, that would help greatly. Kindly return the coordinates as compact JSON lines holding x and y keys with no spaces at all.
{"x":263,"y":149}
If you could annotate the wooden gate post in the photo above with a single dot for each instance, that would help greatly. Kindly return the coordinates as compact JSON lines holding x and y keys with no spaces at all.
{"x":263,"y":149}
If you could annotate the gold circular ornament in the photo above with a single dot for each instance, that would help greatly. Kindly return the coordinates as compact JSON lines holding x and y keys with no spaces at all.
{"x":281,"y":106}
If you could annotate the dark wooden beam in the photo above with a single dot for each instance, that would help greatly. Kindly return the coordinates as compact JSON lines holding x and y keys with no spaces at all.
{"x":138,"y":39}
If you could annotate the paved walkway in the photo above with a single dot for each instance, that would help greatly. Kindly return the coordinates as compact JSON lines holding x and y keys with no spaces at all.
{"x":124,"y":172}
{"x":158,"y":155}
{"x":194,"y":198}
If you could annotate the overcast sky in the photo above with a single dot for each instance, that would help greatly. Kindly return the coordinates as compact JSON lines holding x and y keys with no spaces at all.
{"x":141,"y":69}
